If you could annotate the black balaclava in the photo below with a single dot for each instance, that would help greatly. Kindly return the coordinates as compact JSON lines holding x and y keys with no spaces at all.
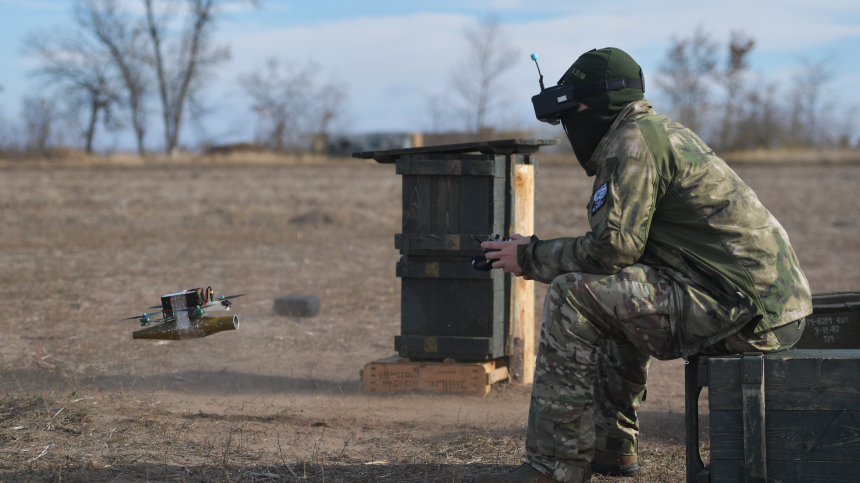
{"x":586,"y":128}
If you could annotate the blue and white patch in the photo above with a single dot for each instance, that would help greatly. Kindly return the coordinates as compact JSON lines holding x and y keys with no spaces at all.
{"x":599,"y":197}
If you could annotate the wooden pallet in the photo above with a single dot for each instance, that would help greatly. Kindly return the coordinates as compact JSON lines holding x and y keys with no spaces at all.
{"x":396,"y":373}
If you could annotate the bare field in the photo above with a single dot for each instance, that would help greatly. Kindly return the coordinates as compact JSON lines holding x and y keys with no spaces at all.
{"x":280,"y":398}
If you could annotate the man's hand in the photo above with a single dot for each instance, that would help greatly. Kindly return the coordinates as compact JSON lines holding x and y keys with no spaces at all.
{"x":506,"y":254}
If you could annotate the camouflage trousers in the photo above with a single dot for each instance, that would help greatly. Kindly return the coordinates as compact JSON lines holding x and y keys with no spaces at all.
{"x":597,"y":335}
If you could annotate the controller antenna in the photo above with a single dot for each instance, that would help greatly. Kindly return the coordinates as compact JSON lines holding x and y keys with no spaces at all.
{"x":534,"y":58}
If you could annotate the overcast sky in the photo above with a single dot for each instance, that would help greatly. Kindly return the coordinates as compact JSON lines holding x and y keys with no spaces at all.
{"x":390,"y":55}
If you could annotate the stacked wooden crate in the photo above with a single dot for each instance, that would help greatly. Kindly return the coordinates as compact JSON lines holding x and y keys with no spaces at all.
{"x":454,"y":197}
{"x":448,"y":309}
{"x":792,"y":416}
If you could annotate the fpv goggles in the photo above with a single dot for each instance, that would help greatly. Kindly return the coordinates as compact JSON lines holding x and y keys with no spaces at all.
{"x":554,"y":103}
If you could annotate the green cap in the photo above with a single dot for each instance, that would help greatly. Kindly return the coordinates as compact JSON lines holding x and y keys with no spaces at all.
{"x":585,"y":129}
{"x":597,"y":65}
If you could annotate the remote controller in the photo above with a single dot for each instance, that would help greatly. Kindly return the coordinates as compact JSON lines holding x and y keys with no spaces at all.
{"x":488,"y":265}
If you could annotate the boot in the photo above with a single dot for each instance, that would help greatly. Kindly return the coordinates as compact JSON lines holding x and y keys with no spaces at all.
{"x":525,"y":473}
{"x":614,"y":464}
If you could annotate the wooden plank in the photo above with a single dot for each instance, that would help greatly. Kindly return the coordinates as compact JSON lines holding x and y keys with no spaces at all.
{"x":427,"y":307}
{"x":475,"y":308}
{"x":792,"y":435}
{"x":794,"y":380}
{"x":432,"y":244}
{"x":475,"y":205}
{"x":732,"y":471}
{"x":445,"y":198}
{"x":755,"y":438}
{"x":692,"y":390}
{"x":471,"y":306}
{"x":444,"y":347}
{"x":499,"y":146}
{"x":497,"y":375}
{"x":851,"y":297}
{"x":447,"y":167}
{"x":388,"y":375}
{"x":416,"y":204}
{"x":449,"y":270}
{"x":522,"y":356}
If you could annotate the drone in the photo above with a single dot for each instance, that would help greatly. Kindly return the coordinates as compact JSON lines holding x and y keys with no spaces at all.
{"x":185,"y":316}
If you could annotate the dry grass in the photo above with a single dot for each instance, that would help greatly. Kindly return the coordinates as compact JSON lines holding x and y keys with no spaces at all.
{"x":793,"y":156}
{"x":65,"y":158}
{"x":62,"y":440}
{"x":82,"y":247}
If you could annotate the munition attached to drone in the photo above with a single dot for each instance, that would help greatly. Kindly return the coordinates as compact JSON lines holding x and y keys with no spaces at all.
{"x":185,"y":316}
{"x":196,"y":328}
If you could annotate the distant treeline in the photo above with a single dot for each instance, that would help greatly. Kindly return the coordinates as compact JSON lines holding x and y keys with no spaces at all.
{"x":120,"y":68}
{"x":732,"y":108}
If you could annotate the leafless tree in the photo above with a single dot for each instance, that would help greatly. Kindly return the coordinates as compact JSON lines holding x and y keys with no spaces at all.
{"x":806,"y":101}
{"x":477,"y":78}
{"x":758,"y":117}
{"x":436,"y":116}
{"x":38,"y":116}
{"x":72,"y":62}
{"x":5,"y":138}
{"x":124,"y":40}
{"x":687,"y":74}
{"x":183,"y":64}
{"x":740,"y":46}
{"x":292,"y":104}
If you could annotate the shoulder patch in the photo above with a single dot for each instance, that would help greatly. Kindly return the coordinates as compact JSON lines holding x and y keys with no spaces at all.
{"x":599,"y":197}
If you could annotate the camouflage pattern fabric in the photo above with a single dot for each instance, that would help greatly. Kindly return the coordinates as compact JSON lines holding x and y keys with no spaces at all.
{"x":619,"y":390}
{"x":597,"y":336}
{"x":662,"y":198}
{"x":595,"y":324}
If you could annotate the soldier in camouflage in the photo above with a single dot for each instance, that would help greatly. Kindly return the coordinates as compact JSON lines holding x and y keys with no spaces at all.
{"x":682,"y":259}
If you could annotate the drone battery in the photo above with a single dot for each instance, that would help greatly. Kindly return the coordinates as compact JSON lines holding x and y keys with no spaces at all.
{"x":193,"y":298}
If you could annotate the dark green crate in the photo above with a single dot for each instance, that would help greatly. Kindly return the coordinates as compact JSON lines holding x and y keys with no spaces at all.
{"x":810,"y":417}
{"x":448,"y":200}
{"x":459,"y":310}
{"x":447,"y":308}
{"x":453,"y":194}
{"x":834,"y":322}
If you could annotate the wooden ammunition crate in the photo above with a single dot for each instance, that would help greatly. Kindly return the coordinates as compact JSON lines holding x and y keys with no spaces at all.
{"x":789,"y":417}
{"x":805,"y":426}
{"x":400,"y":374}
{"x":834,"y":322}
{"x":454,"y":196}
{"x":448,"y":309}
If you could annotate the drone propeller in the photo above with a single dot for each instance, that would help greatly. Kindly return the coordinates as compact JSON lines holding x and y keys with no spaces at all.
{"x":210,"y":302}
{"x":225,"y":302}
{"x":142,"y":316}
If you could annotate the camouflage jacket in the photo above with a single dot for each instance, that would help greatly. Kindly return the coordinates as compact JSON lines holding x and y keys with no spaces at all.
{"x":664,"y":199}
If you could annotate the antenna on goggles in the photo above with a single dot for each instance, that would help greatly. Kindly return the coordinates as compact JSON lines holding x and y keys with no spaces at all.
{"x":535,"y":58}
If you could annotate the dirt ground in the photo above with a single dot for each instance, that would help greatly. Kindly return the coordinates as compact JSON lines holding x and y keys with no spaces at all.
{"x":280,"y":399}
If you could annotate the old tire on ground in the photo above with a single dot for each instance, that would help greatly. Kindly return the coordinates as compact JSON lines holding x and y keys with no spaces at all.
{"x":297,"y":306}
